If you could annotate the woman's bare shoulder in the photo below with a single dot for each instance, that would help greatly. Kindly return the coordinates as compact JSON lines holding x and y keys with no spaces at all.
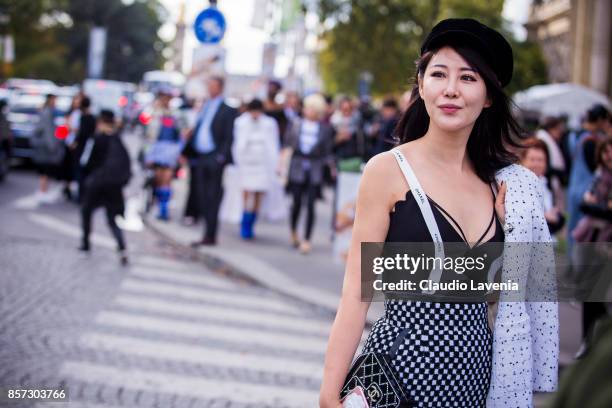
{"x":383,"y":164}
{"x":382,"y":178}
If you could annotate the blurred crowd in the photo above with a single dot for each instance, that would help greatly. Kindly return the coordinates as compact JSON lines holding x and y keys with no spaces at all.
{"x":285,"y":143}
{"x":299,"y":145}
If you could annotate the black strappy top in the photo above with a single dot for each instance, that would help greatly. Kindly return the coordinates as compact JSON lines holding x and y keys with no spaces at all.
{"x":408,"y":225}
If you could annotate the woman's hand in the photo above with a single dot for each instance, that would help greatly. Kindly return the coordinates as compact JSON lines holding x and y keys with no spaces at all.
{"x":552,"y":215}
{"x":589,"y":198}
{"x":329,"y":403}
{"x":500,"y":207}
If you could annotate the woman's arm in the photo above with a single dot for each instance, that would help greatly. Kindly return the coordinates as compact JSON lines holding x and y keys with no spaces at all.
{"x":371,"y":224}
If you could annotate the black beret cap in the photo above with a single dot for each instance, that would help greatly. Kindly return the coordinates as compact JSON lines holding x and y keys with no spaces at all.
{"x":470,"y":33}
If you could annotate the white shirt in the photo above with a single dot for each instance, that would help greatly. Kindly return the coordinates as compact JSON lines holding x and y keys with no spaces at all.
{"x":309,"y":135}
{"x":74,"y":121}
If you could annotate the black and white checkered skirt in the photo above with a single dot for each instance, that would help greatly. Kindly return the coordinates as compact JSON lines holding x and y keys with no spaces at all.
{"x":445,"y":358}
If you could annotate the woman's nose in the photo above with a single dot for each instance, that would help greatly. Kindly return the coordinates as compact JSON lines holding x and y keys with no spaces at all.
{"x":451,"y":90}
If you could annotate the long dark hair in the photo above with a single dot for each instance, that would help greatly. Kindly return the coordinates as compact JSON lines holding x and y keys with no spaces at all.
{"x":494,"y":131}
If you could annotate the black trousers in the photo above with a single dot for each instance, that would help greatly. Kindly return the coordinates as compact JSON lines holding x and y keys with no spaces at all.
{"x":192,"y":208}
{"x":207,"y":177}
{"x":299,"y":192}
{"x":112,"y":201}
{"x":591,"y":313}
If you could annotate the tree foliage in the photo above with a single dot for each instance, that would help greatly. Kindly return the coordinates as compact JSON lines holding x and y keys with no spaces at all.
{"x":54,"y":43}
{"x":383,"y":37}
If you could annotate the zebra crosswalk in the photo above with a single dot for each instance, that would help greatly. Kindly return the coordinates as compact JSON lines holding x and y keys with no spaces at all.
{"x":182,"y":331}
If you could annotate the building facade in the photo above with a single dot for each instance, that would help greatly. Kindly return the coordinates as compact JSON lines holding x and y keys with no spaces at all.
{"x":576,"y":39}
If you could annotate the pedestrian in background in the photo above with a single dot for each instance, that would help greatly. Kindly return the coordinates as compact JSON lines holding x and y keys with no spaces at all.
{"x":188,"y":116}
{"x":311,"y":141}
{"x":389,"y":117}
{"x":85,"y":131}
{"x":256,"y":151}
{"x":5,"y":141}
{"x":584,"y":164}
{"x":48,"y":150}
{"x":347,"y":127}
{"x":293,"y":106}
{"x":69,"y":169}
{"x":535,"y":157}
{"x":274,"y":109}
{"x":551,"y":133}
{"x":107,"y":170}
{"x":210,"y":145}
{"x":165,"y":129}
{"x":594,"y":231}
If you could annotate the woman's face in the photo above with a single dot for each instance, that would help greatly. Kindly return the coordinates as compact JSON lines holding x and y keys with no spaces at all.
{"x":535,"y":160}
{"x":311,"y":113}
{"x":346,"y":108}
{"x":606,"y":156}
{"x":454,"y":94}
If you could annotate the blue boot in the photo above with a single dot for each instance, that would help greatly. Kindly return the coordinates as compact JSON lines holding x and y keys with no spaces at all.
{"x":253,"y":219}
{"x":163,"y":198}
{"x":244,"y":225}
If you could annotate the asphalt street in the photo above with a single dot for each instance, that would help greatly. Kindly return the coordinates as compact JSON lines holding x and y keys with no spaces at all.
{"x":164,"y":331}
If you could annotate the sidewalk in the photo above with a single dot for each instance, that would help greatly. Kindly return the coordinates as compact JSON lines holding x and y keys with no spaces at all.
{"x":269,"y":259}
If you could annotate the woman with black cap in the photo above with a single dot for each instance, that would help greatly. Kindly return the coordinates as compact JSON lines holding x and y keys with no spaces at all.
{"x":453,"y":179}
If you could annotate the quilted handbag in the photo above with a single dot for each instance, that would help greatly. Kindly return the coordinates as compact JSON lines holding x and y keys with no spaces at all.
{"x":374,"y":373}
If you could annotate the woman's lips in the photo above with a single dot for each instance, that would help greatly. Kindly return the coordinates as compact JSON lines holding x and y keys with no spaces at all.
{"x":449,"y":108}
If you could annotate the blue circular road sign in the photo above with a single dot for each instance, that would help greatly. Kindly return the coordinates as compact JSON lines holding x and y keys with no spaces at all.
{"x":209,"y":26}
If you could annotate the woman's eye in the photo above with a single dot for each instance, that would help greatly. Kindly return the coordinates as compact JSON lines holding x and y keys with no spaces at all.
{"x":437,"y":74}
{"x":468,"y":78}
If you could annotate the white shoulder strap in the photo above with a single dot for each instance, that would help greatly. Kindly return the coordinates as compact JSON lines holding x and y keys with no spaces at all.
{"x":425,"y":207}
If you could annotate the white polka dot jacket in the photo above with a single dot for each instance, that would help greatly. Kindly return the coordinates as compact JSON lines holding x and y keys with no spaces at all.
{"x":526,"y":333}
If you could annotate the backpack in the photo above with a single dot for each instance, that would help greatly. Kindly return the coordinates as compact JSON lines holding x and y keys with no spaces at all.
{"x":116,"y":170}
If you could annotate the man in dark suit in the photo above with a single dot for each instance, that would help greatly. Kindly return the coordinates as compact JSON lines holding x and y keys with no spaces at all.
{"x":210,"y":148}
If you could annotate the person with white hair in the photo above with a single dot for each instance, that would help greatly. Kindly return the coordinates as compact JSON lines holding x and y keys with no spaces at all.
{"x":311,"y":141}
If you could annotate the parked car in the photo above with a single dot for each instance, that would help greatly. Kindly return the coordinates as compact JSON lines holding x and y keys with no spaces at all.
{"x":20,"y":84}
{"x":112,"y":95}
{"x":23,"y":116}
{"x":5,"y":141}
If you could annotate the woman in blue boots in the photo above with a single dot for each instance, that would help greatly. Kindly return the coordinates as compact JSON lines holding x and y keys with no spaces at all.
{"x":256,"y":153}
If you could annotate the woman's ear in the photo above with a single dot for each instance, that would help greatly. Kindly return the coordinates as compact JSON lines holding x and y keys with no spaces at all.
{"x":420,"y":85}
{"x":488,"y":102}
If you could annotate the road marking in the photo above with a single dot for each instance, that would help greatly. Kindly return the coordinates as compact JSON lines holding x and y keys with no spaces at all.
{"x":268,"y":320}
{"x":160,"y":382}
{"x":230,"y":299}
{"x":191,"y":278}
{"x":157,"y":262}
{"x":213,"y":331}
{"x":70,"y":230}
{"x":132,"y":220}
{"x":199,"y":354}
{"x":28,"y":202}
{"x":72,"y":404}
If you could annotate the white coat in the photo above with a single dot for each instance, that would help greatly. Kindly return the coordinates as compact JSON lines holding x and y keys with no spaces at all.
{"x":256,"y":150}
{"x":526,"y":334}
